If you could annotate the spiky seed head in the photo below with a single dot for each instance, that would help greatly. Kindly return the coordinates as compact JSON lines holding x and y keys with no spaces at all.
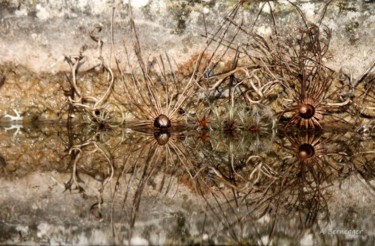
{"x":306,"y":151}
{"x":306,"y":111}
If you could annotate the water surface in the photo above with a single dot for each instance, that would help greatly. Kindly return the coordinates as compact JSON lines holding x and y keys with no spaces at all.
{"x":87,"y":185}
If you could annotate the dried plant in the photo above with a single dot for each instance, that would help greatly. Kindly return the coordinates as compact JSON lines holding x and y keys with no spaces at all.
{"x":245,"y":75}
{"x":83,"y":98}
{"x":365,"y":100}
{"x":280,"y":69}
{"x":155,"y":98}
{"x":311,"y":80}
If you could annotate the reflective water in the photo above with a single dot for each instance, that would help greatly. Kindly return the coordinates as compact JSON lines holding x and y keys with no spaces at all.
{"x":124,"y":186}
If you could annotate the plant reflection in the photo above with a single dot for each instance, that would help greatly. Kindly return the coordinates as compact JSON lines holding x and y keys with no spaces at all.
{"x":95,"y":160}
{"x":363,"y":161}
{"x":289,"y":182}
{"x":253,"y":188}
{"x":156,"y":164}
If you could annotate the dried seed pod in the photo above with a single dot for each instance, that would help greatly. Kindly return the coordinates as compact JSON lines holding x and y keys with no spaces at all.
{"x":162,"y":137}
{"x":306,"y":151}
{"x":306,"y":111}
{"x":162,"y":121}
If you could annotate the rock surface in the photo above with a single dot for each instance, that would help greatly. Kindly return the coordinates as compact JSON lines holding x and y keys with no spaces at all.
{"x":37,"y":35}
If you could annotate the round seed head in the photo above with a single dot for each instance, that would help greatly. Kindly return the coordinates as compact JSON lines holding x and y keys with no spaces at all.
{"x":162,"y":137}
{"x":306,"y":151}
{"x":162,"y":121}
{"x":306,"y":111}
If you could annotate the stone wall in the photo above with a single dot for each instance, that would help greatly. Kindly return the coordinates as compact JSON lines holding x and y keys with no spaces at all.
{"x":37,"y":35}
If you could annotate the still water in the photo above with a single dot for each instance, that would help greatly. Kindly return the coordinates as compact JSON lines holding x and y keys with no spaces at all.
{"x":87,"y":185}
